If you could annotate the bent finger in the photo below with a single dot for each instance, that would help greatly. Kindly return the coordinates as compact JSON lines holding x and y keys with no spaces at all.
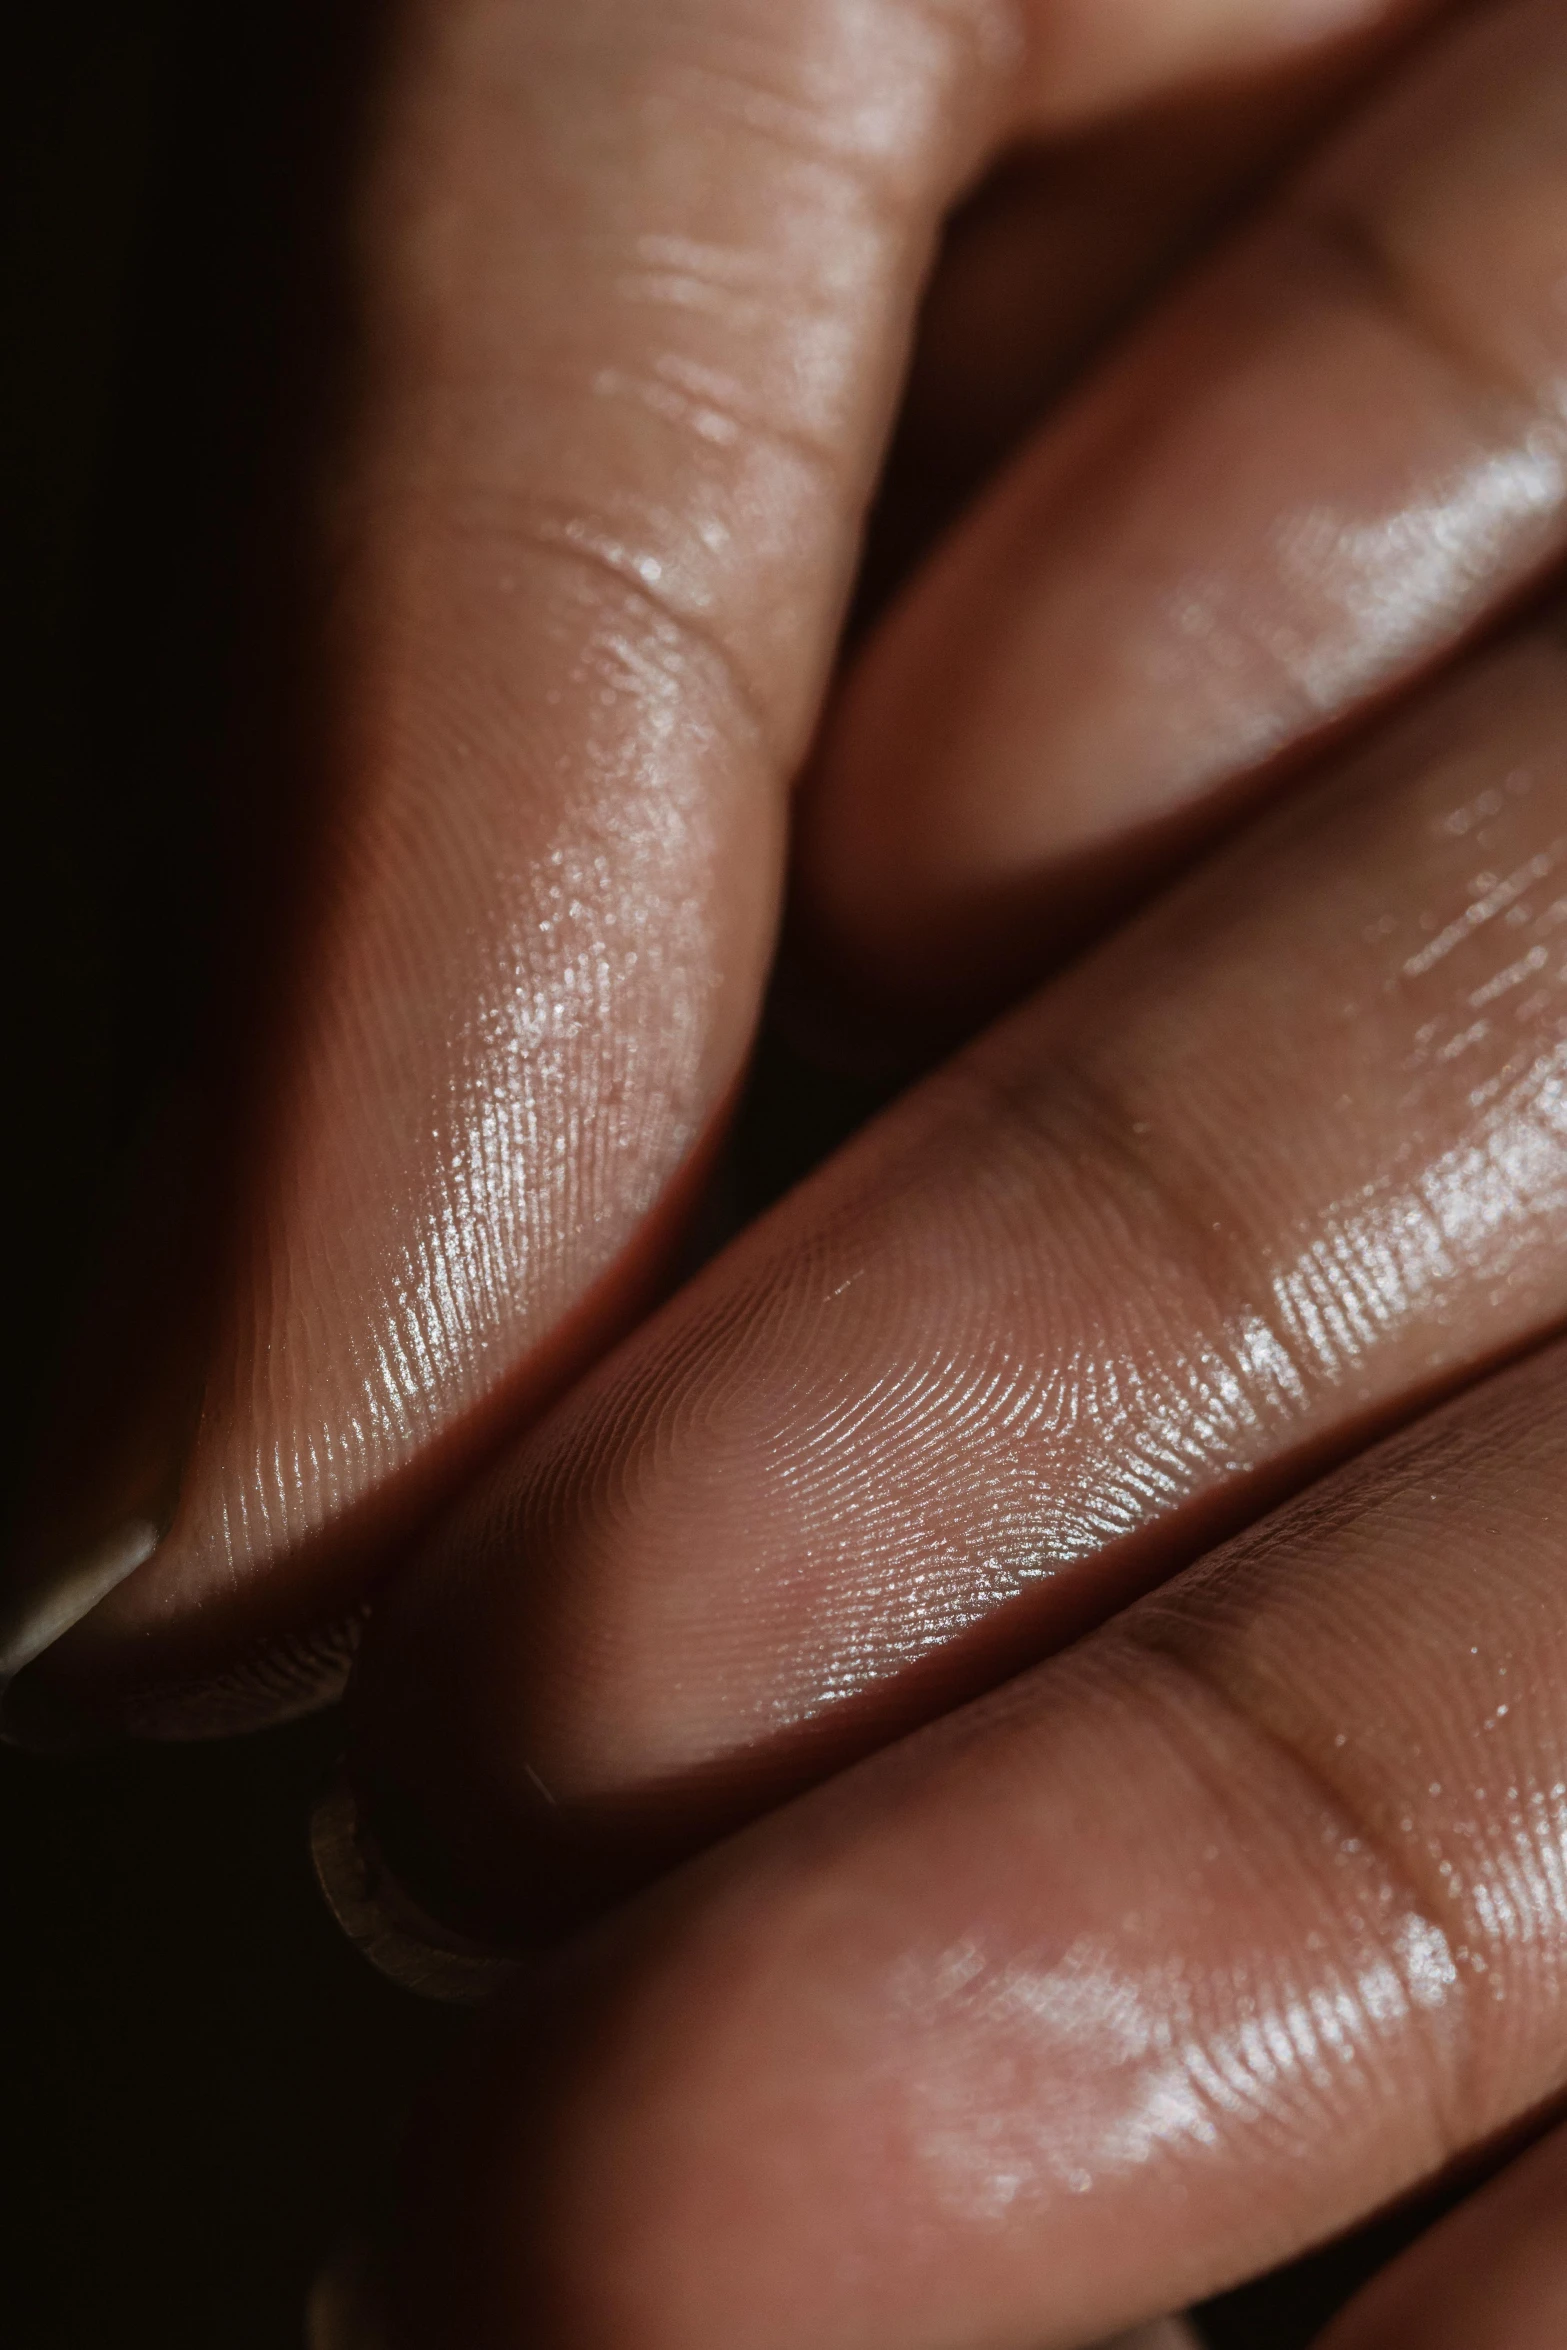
{"x":1326,"y":460}
{"x":1061,"y":249}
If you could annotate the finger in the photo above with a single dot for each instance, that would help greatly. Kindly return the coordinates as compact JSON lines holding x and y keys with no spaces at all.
{"x":1061,"y":247}
{"x":1493,"y":2276}
{"x":1280,"y":1160}
{"x":635,"y":285}
{"x":1330,"y":456}
{"x":1171,"y":1958}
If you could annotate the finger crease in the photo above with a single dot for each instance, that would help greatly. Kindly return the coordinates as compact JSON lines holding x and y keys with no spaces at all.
{"x":1424,"y":1911}
{"x":574,"y":542}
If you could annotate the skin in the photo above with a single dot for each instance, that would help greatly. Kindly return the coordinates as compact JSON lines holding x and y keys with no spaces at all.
{"x":1165,"y":1960}
{"x":1293,"y":1959}
{"x":634,"y":293}
{"x":1200,"y":567}
{"x":1282,"y":1160}
{"x":1254,"y":1893}
{"x":1493,"y":2277}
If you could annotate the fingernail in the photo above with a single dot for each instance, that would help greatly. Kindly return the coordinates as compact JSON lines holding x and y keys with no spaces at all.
{"x":386,"y":1924}
{"x":118,"y":1435}
{"x":343,"y":2307}
{"x":55,"y":1585}
{"x":31,"y":1621}
{"x":43,"y":1611}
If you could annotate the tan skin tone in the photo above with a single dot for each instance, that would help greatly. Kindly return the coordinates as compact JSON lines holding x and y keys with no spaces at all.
{"x":1174,"y":1955}
{"x":1245,"y":1914}
{"x":635,"y":292}
{"x":1280,"y":1162}
{"x":1155,"y":608}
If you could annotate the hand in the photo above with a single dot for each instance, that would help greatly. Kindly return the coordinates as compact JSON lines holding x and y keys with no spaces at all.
{"x":1254,"y":1895}
{"x":1178,"y":1953}
{"x":634,"y":292}
{"x":1267,"y":1173}
{"x":88,"y":1662}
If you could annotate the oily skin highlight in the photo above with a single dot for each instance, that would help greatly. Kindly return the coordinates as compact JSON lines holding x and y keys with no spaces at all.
{"x":1145,"y":1255}
{"x":635,"y":296}
{"x":1245,"y":1913}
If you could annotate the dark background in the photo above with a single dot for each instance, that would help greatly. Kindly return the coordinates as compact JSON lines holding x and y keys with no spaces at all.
{"x":202,"y":2086}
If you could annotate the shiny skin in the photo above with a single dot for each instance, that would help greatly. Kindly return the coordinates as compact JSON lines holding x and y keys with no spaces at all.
{"x":1245,"y":1912}
{"x":1154,"y":1966}
{"x":1282,"y":1160}
{"x":635,"y":288}
{"x":1301,"y":481}
{"x":587,"y":540}
{"x":1241,"y":1916}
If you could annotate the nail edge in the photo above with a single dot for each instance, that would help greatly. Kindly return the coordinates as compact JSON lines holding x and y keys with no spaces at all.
{"x":384,"y":1922}
{"x":41,"y":1615}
